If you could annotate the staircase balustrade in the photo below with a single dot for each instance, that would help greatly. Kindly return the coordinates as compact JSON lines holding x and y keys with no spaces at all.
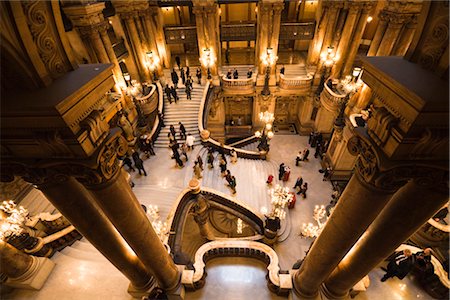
{"x":301,"y":84}
{"x":239,"y":86}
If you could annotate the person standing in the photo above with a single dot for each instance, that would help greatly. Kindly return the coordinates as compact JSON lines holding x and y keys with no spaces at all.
{"x":233,"y":184}
{"x":174,"y":93}
{"x":249,"y":73}
{"x":282,"y":70}
{"x":311,"y":136}
{"x":235,"y":74}
{"x":138,"y":163}
{"x":190,"y":141}
{"x":178,"y":61}
{"x":227,"y":56}
{"x":287,"y":173}
{"x":177,"y":158}
{"x":168,"y":93}
{"x":161,"y":119}
{"x":183,"y":76}
{"x":281,"y":171}
{"x":200,"y":162}
{"x":222,"y":165}
{"x":190,"y":82}
{"x":298,"y":158}
{"x":174,"y":78}
{"x":305,"y":154}
{"x":229,"y":74}
{"x":188,"y":93}
{"x":182,"y":131}
{"x":184,"y":149}
{"x":172,"y":131}
{"x":188,"y":72}
{"x":318,"y":150}
{"x":304,"y":189}
{"x":234,"y":156}
{"x":127,"y":162}
{"x":400,"y":265}
{"x":199,"y":75}
{"x":210,"y":158}
{"x":298,"y":184}
{"x":197,"y":170}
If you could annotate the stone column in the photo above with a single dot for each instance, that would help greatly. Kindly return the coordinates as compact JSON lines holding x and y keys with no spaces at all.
{"x":120,"y":205}
{"x":328,"y":38}
{"x":99,"y":48}
{"x":157,"y":23}
{"x":366,"y":194}
{"x":344,"y":42}
{"x":79,"y":207}
{"x":339,"y":27}
{"x":406,"y":37}
{"x":136,"y":44}
{"x":381,"y":28}
{"x":407,"y":211}
{"x":389,"y":38}
{"x":112,"y":56}
{"x":151,"y":41}
{"x":316,"y":43}
{"x":24,"y":271}
{"x":213,"y":26}
{"x":353,"y":50}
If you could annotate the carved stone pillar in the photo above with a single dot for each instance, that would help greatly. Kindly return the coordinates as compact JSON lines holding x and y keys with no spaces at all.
{"x":98,"y":46}
{"x":151,"y":41}
{"x":390,"y":37}
{"x":353,"y":49}
{"x":113,"y":194}
{"x":406,"y":37}
{"x":23,"y":270}
{"x":345,"y":39}
{"x":364,"y":197}
{"x":316,"y":43}
{"x":112,"y":56}
{"x":129,"y":18}
{"x":381,"y":28}
{"x":333,"y":13}
{"x":409,"y":208}
{"x":79,"y":207}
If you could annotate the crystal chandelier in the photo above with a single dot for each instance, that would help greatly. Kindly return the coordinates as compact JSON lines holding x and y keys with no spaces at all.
{"x":161,"y":228}
{"x":266,"y":117}
{"x":280,"y":198}
{"x":12,"y":219}
{"x":320,"y":216}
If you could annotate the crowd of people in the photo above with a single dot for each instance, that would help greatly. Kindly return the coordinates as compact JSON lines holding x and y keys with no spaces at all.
{"x":235,"y":74}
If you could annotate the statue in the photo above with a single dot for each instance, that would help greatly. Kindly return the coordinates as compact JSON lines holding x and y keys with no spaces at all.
{"x":126,"y":127}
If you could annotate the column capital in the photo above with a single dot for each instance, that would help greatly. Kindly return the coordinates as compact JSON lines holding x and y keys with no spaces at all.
{"x":373,"y":168}
{"x":84,"y":15}
{"x":93,"y":29}
{"x":394,"y":18}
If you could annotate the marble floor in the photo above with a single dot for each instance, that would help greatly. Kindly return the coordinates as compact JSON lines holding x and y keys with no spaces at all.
{"x":83,"y":274}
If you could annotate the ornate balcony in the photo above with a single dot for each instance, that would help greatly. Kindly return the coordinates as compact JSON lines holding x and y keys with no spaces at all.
{"x":238,"y":32}
{"x":149,"y":102}
{"x":331,"y":98}
{"x":301,"y":84}
{"x":238,"y":86}
{"x":297,"y":31}
{"x":180,"y":34}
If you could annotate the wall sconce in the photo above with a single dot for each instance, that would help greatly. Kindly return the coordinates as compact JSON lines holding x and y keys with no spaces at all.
{"x":152,"y":63}
{"x":329,"y":58}
{"x":207,"y":60}
{"x":369,"y":19}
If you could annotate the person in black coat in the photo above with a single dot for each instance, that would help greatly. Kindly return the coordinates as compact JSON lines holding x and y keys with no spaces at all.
{"x":172,"y":130}
{"x":178,"y":61}
{"x":161,"y":119}
{"x":282,"y":70}
{"x":298,"y":184}
{"x":127,"y":162}
{"x":400,"y":265}
{"x":249,"y":73}
{"x":305,"y":154}
{"x":235,"y":74}
{"x":174,"y":93}
{"x":188,"y":72}
{"x":174,"y":78}
{"x":168,"y":92}
{"x":183,"y":76}
{"x":138,"y":163}
{"x":199,"y":75}
{"x":281,"y":171}
{"x":182,"y":131}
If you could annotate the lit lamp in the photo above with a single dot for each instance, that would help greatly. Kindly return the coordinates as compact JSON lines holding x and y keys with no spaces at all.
{"x":266,"y":134}
{"x":152,"y":64}
{"x":127,"y":78}
{"x":268,"y":59}
{"x":328,"y":60}
{"x":207,"y":61}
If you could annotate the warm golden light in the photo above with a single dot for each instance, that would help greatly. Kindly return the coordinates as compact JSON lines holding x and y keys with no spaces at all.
{"x":257,"y":133}
{"x":268,"y":58}
{"x":369,"y":19}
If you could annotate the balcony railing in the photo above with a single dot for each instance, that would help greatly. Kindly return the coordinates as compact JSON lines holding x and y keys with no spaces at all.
{"x":301,"y":84}
{"x":180,"y":34}
{"x":120,"y":49}
{"x":149,"y":102}
{"x":297,"y":31}
{"x":331,"y":99}
{"x":240,"y":86}
{"x":238,"y":32}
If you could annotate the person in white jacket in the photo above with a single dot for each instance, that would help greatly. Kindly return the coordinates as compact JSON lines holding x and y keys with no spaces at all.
{"x":190,"y":141}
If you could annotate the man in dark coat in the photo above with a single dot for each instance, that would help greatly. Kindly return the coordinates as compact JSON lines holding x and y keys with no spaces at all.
{"x":168,"y":92}
{"x":400,"y":265}
{"x":138,"y":163}
{"x":235,"y":74}
{"x":305,"y":154}
{"x":183,"y":76}
{"x":174,"y":78}
{"x":182,"y":131}
{"x":281,"y":171}
{"x":178,"y":61}
{"x":173,"y":91}
{"x":172,"y":130}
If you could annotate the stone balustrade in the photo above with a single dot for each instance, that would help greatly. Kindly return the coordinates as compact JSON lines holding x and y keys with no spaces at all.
{"x":331,"y":99}
{"x":280,"y":282}
{"x":238,"y":86}
{"x":149,"y":102}
{"x":301,"y":84}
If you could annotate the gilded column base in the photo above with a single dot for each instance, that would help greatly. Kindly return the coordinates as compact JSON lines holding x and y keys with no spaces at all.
{"x":298,"y":294}
{"x":139,"y":292}
{"x":35,"y":277}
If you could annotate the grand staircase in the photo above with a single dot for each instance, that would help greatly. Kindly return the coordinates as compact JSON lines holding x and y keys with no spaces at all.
{"x":185,"y":111}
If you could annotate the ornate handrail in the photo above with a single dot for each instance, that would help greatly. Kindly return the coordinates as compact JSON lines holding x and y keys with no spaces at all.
{"x":244,"y":142}
{"x":149,"y":102}
{"x":180,"y":34}
{"x":181,"y":206}
{"x":240,"y":86}
{"x":156,"y":124}
{"x":232,"y":247}
{"x":297,"y":31}
{"x":297,"y":83}
{"x":329,"y":99}
{"x":210,"y":142}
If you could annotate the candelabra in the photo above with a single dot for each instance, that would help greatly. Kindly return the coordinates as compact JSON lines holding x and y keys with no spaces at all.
{"x":153,"y":62}
{"x":12,"y":219}
{"x":320,"y":216}
{"x":328,"y":59}
{"x":207,"y":61}
{"x":266,"y":134}
{"x":280,"y":198}
{"x":268,"y":59}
